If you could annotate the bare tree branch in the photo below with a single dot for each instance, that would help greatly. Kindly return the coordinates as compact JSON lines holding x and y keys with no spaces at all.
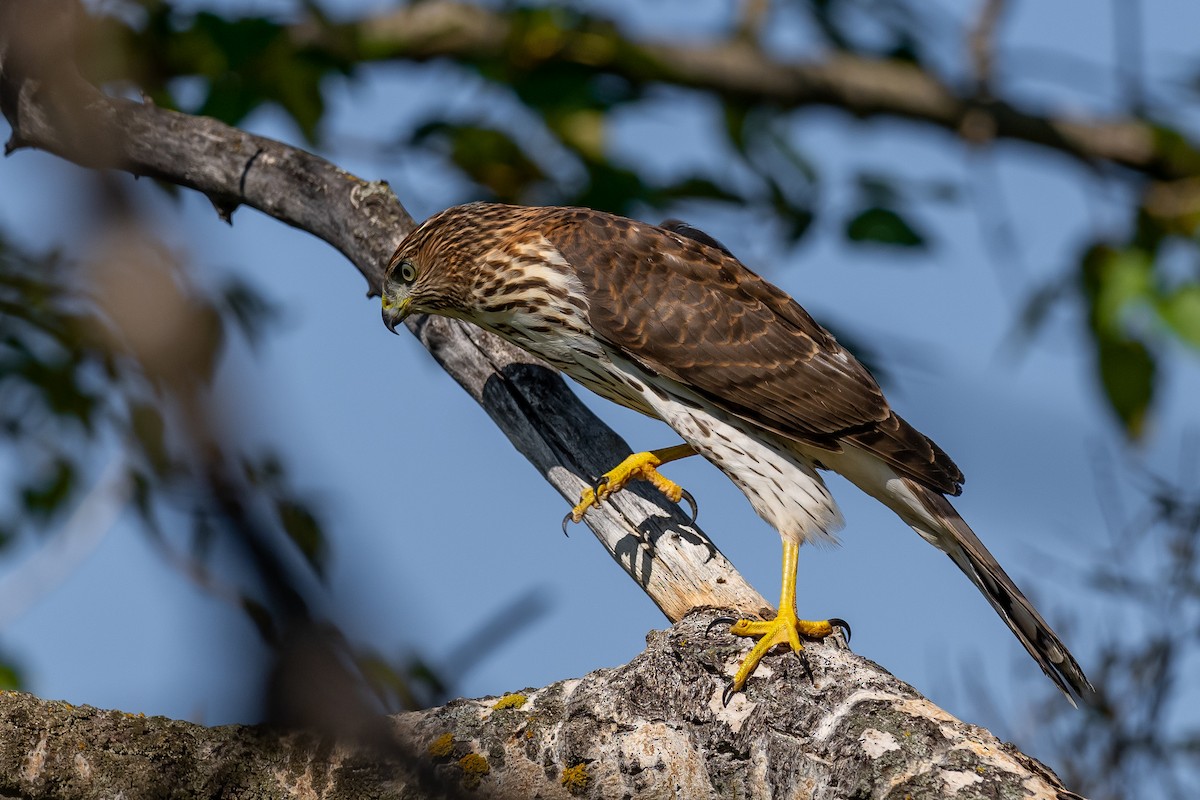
{"x":652,"y":728}
{"x":50,"y":107}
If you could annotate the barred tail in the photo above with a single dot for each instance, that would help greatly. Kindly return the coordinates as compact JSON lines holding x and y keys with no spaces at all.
{"x":956,"y":538}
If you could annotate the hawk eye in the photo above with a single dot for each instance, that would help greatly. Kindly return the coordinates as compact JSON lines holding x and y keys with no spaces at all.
{"x":406,"y":271}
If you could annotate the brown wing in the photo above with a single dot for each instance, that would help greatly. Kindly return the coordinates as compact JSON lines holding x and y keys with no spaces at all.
{"x":691,"y":311}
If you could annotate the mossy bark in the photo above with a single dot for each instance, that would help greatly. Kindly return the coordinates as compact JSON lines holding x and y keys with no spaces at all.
{"x":652,"y":728}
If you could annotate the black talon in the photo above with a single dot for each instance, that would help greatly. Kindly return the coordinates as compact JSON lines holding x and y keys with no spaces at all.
{"x":570,"y":517}
{"x":845,"y":626}
{"x":727,"y":694}
{"x":691,"y":502}
{"x":807,"y":669}
{"x":719,"y":621}
{"x":600,"y":484}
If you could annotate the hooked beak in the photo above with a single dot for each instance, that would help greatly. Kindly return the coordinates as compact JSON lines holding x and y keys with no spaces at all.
{"x":394,"y":313}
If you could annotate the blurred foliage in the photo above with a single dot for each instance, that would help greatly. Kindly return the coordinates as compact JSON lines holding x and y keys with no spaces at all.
{"x":568,"y":74}
{"x":882,"y":226}
{"x":52,"y":389}
{"x":107,"y":364}
{"x":111,"y":360}
{"x":239,"y":63}
{"x":1138,"y":744}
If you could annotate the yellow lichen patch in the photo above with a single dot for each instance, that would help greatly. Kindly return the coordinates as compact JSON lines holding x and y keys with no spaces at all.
{"x":515,"y":700}
{"x":576,"y":779}
{"x":474,"y":767}
{"x":442,"y":746}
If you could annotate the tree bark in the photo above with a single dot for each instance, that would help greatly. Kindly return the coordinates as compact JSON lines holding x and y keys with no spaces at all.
{"x":654,"y":727}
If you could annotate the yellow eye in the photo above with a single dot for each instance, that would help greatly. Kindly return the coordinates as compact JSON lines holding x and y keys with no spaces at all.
{"x":406,"y":271}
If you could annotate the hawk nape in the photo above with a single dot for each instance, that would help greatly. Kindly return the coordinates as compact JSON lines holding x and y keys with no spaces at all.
{"x":664,"y":320}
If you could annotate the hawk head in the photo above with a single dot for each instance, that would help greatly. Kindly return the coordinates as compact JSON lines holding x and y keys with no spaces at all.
{"x":443,"y":265}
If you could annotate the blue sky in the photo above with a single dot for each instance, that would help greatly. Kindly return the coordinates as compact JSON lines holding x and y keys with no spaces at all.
{"x":435,"y":520}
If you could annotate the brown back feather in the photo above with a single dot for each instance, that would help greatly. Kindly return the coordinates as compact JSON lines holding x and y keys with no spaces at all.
{"x":677,"y":302}
{"x":691,"y":311}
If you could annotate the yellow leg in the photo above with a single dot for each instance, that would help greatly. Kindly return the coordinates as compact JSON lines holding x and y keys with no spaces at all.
{"x":639,"y":466}
{"x":786,"y":628}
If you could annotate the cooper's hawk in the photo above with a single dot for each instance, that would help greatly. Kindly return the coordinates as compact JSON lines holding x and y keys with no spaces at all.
{"x":664,"y":320}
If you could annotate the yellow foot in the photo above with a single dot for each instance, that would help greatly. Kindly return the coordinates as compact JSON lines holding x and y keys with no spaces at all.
{"x":784,"y":629}
{"x":639,"y":466}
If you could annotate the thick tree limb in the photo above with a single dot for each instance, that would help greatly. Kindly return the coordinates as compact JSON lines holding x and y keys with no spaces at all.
{"x":50,"y":107}
{"x":652,"y":728}
{"x":738,"y":71}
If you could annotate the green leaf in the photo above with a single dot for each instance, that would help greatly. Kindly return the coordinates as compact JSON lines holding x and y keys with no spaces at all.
{"x":248,"y":62}
{"x":1113,"y":281}
{"x":48,"y":492}
{"x":149,"y":431}
{"x":879,"y":225}
{"x":58,"y":381}
{"x":736,"y":117}
{"x":10,"y":678}
{"x":1127,"y":373}
{"x":389,"y":685}
{"x":261,"y":617}
{"x":1180,"y":310}
{"x":555,"y":89}
{"x":421,"y":673}
{"x":249,"y":309}
{"x":303,"y":528}
{"x":1175,"y":149}
{"x":489,"y":157}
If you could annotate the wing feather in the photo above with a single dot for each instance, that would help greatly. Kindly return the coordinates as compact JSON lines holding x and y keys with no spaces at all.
{"x":686,"y":308}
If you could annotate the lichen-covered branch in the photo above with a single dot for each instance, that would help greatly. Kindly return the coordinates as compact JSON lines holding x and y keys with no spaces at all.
{"x":49,"y":106}
{"x":654,"y":727}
